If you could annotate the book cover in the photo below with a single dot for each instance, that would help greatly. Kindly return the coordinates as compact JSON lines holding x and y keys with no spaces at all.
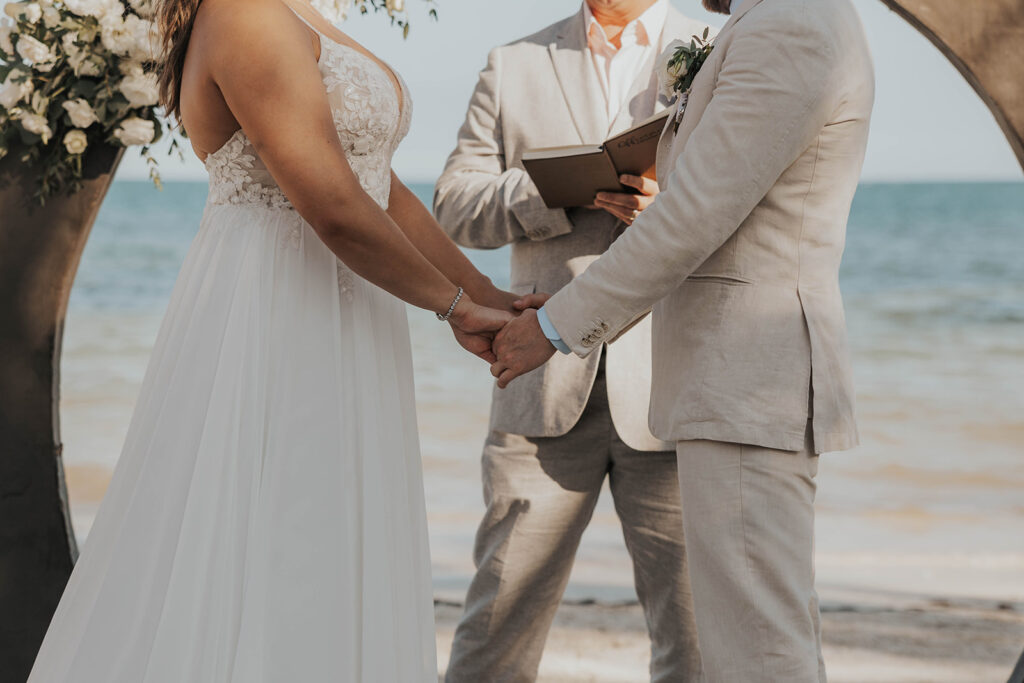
{"x":572,"y":175}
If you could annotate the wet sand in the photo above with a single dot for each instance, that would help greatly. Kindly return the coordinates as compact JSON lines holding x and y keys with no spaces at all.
{"x":923,"y":641}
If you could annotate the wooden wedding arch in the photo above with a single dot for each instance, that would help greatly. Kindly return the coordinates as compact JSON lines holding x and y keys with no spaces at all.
{"x":984,"y":39}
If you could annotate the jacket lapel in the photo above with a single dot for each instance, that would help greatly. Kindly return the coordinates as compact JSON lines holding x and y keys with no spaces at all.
{"x":668,"y":136}
{"x":579,"y":83}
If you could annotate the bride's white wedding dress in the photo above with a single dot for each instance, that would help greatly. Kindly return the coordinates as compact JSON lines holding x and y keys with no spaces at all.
{"x":266,"y":520}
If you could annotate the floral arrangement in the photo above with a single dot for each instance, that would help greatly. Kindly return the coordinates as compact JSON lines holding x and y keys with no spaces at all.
{"x":75,"y":73}
{"x":679,"y":65}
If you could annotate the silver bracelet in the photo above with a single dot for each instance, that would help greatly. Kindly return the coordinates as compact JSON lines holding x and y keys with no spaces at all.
{"x":451,"y":309}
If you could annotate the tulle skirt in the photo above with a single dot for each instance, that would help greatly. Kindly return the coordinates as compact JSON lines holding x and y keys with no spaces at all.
{"x":266,"y":521}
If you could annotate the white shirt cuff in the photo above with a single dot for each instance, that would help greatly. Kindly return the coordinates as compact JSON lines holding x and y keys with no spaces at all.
{"x":550,"y":332}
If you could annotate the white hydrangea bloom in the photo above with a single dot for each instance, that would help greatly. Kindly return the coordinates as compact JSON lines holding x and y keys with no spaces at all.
{"x":135,"y":131}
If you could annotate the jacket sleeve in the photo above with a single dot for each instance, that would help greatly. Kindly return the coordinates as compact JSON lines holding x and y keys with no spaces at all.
{"x":774,"y":94}
{"x":479,"y":201}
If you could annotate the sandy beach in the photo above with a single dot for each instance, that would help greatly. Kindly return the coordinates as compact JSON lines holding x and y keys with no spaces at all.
{"x":917,"y":642}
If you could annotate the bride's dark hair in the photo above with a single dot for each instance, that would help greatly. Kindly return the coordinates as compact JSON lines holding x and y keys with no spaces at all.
{"x":175,"y":19}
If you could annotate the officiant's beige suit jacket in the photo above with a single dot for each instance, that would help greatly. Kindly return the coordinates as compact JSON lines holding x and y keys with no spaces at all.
{"x":542,"y":91}
{"x":740,"y":253}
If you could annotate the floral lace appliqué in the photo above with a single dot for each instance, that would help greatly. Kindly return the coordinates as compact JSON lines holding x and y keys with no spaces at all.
{"x":371,"y":118}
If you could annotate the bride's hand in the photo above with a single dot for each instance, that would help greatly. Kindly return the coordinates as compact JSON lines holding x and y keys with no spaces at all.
{"x":493,"y":297}
{"x":475,"y":327}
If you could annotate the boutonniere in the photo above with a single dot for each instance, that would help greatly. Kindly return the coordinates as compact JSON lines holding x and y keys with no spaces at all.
{"x":679,"y":65}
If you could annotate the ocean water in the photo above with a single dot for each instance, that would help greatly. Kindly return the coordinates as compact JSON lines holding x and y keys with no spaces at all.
{"x":931,"y":503}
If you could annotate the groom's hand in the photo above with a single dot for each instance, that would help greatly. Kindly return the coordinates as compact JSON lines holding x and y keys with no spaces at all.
{"x":521,"y":347}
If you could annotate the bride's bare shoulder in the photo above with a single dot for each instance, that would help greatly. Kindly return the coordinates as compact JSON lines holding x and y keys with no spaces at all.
{"x":235,"y":28}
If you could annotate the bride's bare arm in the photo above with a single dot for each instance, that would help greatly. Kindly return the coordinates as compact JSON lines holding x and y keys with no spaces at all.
{"x":263,"y":61}
{"x":419,"y":225}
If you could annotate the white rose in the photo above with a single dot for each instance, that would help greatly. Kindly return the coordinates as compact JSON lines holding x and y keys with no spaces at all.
{"x":667,"y":77}
{"x":76,"y":141}
{"x":95,"y":8}
{"x":6,"y":46}
{"x":29,"y":11}
{"x":395,"y":6}
{"x":80,"y":113}
{"x":35,"y":52}
{"x":34,"y":123}
{"x":146,"y":38}
{"x":135,"y":131}
{"x":11,"y":92}
{"x":51,"y":16}
{"x":140,"y":89}
{"x":116,"y":35}
{"x":144,"y":8}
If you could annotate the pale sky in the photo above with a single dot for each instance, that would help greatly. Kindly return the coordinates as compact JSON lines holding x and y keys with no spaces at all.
{"x":928,"y":123}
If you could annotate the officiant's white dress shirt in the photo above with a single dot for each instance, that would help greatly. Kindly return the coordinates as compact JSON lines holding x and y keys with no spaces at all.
{"x":618,"y":68}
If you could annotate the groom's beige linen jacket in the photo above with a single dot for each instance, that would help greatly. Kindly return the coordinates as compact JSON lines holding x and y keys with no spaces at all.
{"x":740,"y":253}
{"x":542,"y":91}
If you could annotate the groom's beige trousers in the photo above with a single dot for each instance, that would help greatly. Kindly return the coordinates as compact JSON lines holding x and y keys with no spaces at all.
{"x":748,"y":513}
{"x":540,"y":494}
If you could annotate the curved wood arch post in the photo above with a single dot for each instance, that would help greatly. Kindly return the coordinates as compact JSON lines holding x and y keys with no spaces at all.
{"x":984,"y":39}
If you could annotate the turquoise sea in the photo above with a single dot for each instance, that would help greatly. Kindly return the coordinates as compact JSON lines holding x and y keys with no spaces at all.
{"x":931,"y":503}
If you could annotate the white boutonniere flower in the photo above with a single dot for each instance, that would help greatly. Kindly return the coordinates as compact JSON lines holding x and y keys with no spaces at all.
{"x":678,"y":65}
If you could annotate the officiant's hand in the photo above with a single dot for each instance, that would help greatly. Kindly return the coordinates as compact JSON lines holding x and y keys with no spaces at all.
{"x":520,"y":347}
{"x":627,"y":207}
{"x":475,"y":327}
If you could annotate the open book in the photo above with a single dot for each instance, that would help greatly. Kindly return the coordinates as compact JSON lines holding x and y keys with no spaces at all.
{"x":573,"y":175}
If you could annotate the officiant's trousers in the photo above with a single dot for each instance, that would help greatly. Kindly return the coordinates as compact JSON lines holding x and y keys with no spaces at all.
{"x":540,"y":495}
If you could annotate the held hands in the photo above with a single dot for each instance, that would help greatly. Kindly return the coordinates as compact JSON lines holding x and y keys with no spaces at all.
{"x":627,"y":207}
{"x":475,"y":327}
{"x":509,"y":338}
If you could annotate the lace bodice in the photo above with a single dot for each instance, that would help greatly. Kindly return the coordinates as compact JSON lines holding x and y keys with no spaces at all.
{"x":367,"y":114}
